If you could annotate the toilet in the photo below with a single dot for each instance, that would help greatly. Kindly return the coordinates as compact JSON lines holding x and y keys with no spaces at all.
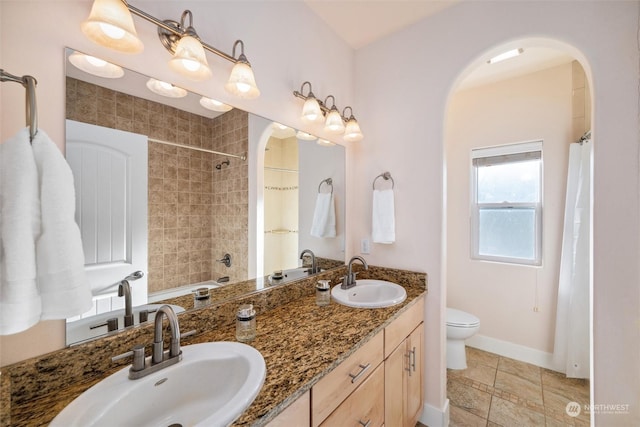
{"x":460,"y":326}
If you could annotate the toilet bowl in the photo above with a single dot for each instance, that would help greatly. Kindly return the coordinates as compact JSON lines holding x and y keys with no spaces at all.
{"x":460,"y":326}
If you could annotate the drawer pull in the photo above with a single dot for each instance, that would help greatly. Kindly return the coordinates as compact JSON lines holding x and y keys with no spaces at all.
{"x":411,"y":356}
{"x":363,"y":369}
{"x":364,"y":424}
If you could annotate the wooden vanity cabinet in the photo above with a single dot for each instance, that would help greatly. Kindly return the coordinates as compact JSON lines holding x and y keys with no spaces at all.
{"x":296,"y":414}
{"x":403,"y":368}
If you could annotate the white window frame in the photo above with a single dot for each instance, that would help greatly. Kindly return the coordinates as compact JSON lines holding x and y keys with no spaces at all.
{"x":505,"y":154}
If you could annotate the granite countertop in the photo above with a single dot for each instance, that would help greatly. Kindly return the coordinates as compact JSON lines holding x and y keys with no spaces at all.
{"x":300,"y":342}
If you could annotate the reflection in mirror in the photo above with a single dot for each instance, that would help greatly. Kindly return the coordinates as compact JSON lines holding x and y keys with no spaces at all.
{"x":194,"y":208}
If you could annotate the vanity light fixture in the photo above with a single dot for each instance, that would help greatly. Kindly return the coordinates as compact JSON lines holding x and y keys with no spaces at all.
{"x":165,"y":89}
{"x":110,"y":24}
{"x":305,"y":136}
{"x":96,"y":66}
{"x":333,"y":123}
{"x":314,"y":111}
{"x":214,"y":105}
{"x":352,"y":132}
{"x":311,"y":110}
{"x":505,"y":55}
{"x":188,"y":54}
{"x":280,"y":126}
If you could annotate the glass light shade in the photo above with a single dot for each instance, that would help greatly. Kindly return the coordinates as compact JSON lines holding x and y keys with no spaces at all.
{"x":241,"y":82}
{"x":212,"y":104}
{"x":165,"y":89}
{"x":311,"y":112}
{"x":96,"y":66}
{"x":352,"y":132}
{"x":305,"y":136}
{"x":110,"y":24}
{"x":189,"y":59}
{"x":334,"y":123}
{"x":280,"y":126}
{"x":325,"y":142}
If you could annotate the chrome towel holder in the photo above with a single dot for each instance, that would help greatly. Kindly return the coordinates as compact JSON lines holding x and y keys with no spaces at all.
{"x":327,"y":181}
{"x":386,"y":176}
{"x":29,"y":83}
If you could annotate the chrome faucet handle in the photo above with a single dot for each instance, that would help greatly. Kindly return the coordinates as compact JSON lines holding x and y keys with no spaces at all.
{"x":111,"y":324}
{"x":138,"y":357}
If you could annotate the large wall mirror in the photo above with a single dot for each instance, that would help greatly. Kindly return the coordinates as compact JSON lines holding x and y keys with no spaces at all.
{"x":164,"y":186}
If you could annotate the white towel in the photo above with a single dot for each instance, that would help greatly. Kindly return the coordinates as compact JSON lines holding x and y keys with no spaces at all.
{"x":61,"y":279}
{"x":20,"y":305}
{"x":383,"y":219}
{"x":324,"y":216}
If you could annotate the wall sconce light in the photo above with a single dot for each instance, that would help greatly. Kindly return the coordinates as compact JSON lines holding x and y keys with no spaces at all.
{"x":352,"y":132}
{"x":214,"y":105}
{"x":305,"y":136}
{"x":333,"y":123}
{"x":314,"y":111}
{"x":311,"y":111}
{"x":96,"y":66}
{"x":110,"y":24}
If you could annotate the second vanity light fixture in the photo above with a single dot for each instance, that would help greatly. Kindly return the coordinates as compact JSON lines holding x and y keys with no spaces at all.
{"x":316,"y":111}
{"x":110,"y":24}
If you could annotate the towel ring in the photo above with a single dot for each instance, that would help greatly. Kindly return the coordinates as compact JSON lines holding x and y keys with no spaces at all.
{"x":327,"y":181}
{"x":29,"y":84}
{"x":386,"y":176}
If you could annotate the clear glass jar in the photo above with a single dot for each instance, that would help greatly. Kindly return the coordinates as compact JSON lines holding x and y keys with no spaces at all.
{"x":246,"y":323}
{"x":323,"y":293}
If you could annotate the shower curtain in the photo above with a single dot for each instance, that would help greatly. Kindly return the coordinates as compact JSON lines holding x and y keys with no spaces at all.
{"x":571,"y":350}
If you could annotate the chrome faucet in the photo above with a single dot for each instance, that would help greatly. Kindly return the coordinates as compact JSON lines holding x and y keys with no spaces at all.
{"x":349,"y":280}
{"x":159,"y":359}
{"x":314,"y":267}
{"x":124,"y":290}
{"x":158,"y":339}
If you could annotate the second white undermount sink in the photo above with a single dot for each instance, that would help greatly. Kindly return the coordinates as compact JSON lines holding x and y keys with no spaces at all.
{"x":212,"y":385}
{"x":370,"y":293}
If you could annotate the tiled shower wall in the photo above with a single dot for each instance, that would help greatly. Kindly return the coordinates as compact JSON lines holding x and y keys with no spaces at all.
{"x":196,"y":212}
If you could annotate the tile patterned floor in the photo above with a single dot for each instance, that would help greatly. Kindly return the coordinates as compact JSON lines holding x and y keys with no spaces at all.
{"x":497,"y":391}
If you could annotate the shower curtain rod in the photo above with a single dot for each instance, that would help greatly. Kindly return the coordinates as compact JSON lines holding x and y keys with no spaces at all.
{"x":235,"y":156}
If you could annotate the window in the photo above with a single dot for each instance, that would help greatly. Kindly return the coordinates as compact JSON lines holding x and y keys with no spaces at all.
{"x":506,"y":205}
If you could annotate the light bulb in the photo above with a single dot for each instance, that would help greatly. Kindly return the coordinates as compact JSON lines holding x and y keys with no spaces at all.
{"x":311,"y":112}
{"x":110,"y":24}
{"x":215,"y":105}
{"x":189,"y":59}
{"x":334,"y":123}
{"x":242,"y":82}
{"x":352,"y":132}
{"x":112,"y":31}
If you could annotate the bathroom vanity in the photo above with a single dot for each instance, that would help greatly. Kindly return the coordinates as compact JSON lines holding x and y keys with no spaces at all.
{"x":310,"y":352}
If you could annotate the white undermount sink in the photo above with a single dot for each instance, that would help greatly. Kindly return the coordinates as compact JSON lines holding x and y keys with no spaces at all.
{"x":370,"y":293}
{"x":212,"y":385}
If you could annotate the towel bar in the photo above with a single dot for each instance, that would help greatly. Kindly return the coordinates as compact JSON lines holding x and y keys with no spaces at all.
{"x":29,"y":83}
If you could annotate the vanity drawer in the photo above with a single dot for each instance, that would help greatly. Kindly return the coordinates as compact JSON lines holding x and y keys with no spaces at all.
{"x":334,"y":388}
{"x":400,"y":328}
{"x":365,"y":406}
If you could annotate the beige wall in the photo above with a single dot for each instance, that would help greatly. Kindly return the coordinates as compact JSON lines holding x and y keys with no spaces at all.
{"x":503,"y":296}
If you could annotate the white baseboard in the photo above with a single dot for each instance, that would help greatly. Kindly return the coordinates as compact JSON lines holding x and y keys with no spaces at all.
{"x":434,"y":417}
{"x":511,"y":350}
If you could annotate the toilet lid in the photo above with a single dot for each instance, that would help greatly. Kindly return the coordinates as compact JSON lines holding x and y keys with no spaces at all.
{"x":461,"y":318}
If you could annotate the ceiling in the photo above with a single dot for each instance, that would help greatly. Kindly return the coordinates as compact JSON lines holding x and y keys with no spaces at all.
{"x":361,"y":22}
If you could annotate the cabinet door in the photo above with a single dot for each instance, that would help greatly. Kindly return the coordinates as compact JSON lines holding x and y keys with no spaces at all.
{"x":365,"y":406}
{"x":297,"y":414}
{"x":413,"y":376}
{"x":394,"y":387}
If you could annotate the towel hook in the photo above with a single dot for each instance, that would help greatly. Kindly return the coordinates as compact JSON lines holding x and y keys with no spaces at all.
{"x":386,"y":176}
{"x":327,"y":181}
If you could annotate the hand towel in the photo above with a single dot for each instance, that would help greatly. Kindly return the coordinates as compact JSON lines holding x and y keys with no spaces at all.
{"x":20,"y":305}
{"x":383,"y":218}
{"x":64,"y":289}
{"x":324,"y":216}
